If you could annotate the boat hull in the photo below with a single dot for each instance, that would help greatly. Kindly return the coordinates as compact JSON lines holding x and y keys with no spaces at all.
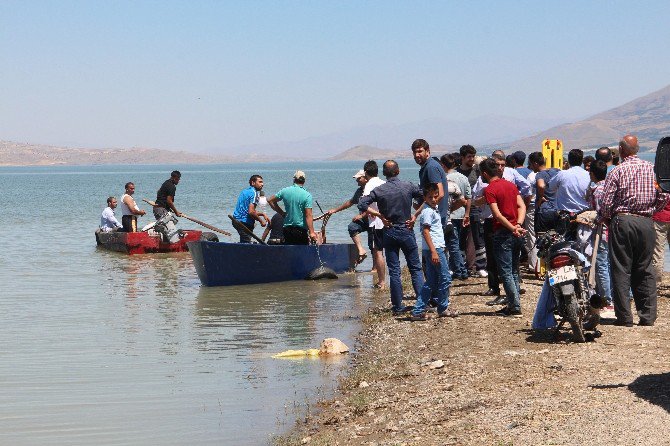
{"x":220,"y":263}
{"x":143,"y":242}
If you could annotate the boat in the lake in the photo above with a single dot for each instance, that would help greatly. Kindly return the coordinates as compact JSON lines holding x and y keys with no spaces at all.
{"x":148,"y":241}
{"x":220,"y":263}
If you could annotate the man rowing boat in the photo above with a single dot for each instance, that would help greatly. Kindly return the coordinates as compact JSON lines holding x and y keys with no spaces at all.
{"x":165,"y":196}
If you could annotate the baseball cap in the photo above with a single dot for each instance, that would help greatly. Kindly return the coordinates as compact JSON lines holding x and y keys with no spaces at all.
{"x":299,"y":175}
{"x":359,"y":174}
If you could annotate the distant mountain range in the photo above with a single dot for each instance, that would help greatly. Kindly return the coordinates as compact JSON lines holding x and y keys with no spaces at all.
{"x":647,"y":117}
{"x":397,"y":138}
{"x":24,"y":154}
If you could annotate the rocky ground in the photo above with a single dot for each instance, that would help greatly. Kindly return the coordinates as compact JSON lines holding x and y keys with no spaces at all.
{"x":498,"y":383}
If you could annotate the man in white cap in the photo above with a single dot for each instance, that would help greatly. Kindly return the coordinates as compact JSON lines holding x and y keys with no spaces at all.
{"x":360,"y":222}
{"x":298,"y":223}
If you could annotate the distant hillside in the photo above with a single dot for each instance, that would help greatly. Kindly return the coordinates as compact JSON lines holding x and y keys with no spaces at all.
{"x":23,"y":154}
{"x":375,"y":153}
{"x":397,"y":138}
{"x":647,"y":117}
{"x":365,"y":153}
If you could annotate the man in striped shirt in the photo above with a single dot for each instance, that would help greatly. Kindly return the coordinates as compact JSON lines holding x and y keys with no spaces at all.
{"x":630,"y":197}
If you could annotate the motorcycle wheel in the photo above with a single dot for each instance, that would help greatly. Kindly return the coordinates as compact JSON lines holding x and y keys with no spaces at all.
{"x":571,"y":309}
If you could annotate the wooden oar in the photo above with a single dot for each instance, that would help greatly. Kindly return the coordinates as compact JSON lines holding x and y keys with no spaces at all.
{"x":240,"y":226}
{"x":194,"y":220}
{"x":202,"y":223}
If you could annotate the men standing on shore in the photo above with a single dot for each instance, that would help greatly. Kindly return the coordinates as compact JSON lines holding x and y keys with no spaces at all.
{"x":570,"y":185}
{"x":605,"y":154}
{"x":472,"y":223}
{"x":431,"y":172}
{"x":545,"y":202}
{"x":630,"y":198}
{"x":129,"y":209}
{"x":454,"y":245}
{"x":245,"y":209}
{"x":298,"y":218}
{"x":522,"y":185}
{"x":394,"y":199}
{"x":165,"y":196}
{"x":375,"y":225}
{"x":509,"y":211}
{"x":359,"y":223}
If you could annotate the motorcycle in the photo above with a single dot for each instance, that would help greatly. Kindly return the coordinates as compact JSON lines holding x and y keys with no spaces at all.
{"x":572,"y":296}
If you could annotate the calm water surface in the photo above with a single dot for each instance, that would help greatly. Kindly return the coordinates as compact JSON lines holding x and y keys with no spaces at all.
{"x":103,"y":348}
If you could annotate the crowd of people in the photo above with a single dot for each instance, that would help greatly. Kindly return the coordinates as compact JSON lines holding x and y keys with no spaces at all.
{"x":482,"y":216}
{"x":477,"y":216}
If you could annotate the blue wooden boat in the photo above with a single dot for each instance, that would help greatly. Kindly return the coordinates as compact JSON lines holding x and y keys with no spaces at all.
{"x":220,"y":263}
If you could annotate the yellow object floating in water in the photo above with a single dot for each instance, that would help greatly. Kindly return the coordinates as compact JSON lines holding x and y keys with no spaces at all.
{"x":297,"y":353}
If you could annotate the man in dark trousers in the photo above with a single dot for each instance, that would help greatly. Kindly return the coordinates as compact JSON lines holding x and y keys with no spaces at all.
{"x":165,"y":196}
{"x":394,"y":199}
{"x":509,"y":211}
{"x":630,"y":198}
{"x":472,"y":223}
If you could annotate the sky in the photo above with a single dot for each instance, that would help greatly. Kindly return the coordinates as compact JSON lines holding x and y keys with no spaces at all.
{"x":209,"y":76}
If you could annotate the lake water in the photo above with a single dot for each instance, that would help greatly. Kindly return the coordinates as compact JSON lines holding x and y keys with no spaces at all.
{"x":103,"y":348}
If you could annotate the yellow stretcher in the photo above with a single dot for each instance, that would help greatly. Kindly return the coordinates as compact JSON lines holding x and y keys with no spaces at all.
{"x":552,"y":151}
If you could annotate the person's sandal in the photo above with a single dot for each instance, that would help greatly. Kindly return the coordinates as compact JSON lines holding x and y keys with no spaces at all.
{"x":360,"y":259}
{"x":418,"y":317}
{"x":449,"y":313}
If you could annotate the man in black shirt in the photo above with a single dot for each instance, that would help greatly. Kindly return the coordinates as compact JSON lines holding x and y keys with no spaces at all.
{"x":394,"y":199}
{"x":165,"y":196}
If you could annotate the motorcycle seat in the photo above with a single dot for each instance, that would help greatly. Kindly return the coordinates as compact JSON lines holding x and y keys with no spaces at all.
{"x":561,"y":246}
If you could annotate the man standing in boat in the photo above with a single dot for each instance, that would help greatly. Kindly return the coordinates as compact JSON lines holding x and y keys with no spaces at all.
{"x":394,"y":199}
{"x":129,"y":209}
{"x":298,"y":223}
{"x":245,"y":210}
{"x":165,"y":196}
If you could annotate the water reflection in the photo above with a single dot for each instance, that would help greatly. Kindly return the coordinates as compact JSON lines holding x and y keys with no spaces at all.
{"x":254,"y":317}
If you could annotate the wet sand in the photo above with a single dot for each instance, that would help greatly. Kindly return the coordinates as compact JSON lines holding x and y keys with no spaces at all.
{"x":501,"y":383}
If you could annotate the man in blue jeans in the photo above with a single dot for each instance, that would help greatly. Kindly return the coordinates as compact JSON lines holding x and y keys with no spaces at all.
{"x":394,"y":200}
{"x":509,"y":212}
{"x":460,"y":218}
{"x":598,"y":173}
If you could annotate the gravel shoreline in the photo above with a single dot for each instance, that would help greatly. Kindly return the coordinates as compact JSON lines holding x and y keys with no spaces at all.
{"x":499,"y":382}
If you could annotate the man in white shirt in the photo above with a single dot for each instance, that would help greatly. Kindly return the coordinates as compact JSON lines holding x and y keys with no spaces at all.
{"x":108,"y":222}
{"x":376,"y":226}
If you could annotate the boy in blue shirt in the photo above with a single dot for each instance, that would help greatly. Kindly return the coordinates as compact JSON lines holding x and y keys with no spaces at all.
{"x":438,"y":278}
